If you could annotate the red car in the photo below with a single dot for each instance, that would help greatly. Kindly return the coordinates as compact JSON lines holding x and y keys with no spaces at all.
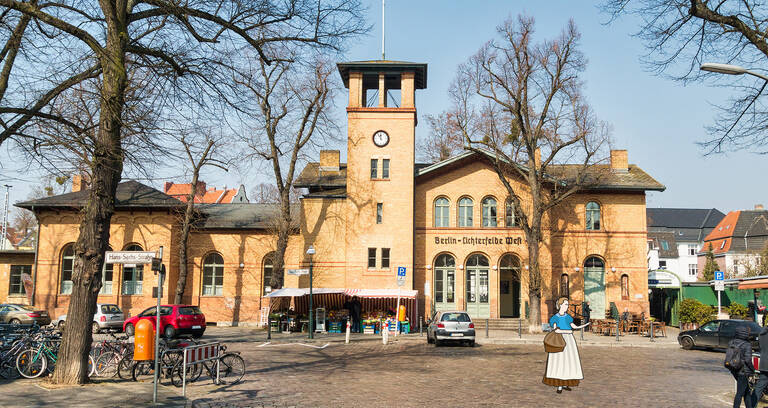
{"x":174,"y":320}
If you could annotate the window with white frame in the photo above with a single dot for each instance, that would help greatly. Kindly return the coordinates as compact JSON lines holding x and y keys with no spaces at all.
{"x":385,"y":168}
{"x":16,"y":284}
{"x":133,"y":275}
{"x":67,"y":264}
{"x":509,"y":213}
{"x":692,"y":249}
{"x":465,"y":212}
{"x":442,"y":207}
{"x":213,"y":275}
{"x":489,"y":212}
{"x":662,"y":264}
{"x":693,"y":269}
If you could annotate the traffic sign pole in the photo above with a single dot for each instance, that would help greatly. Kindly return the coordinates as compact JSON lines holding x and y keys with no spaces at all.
{"x":719,"y":288}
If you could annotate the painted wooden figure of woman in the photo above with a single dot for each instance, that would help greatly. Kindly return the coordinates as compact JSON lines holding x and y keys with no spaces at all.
{"x":564,"y":368}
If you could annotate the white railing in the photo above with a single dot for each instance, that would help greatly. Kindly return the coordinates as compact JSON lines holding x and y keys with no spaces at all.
{"x":132,"y":287}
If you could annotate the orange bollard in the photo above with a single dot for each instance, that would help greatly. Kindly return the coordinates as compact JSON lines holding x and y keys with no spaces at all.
{"x":401,"y":314}
{"x":144,"y":341}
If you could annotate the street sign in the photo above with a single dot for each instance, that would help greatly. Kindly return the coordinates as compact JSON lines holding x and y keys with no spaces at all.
{"x":128,"y":257}
{"x":401,"y":271}
{"x":719,"y":286}
{"x":298,"y":272}
{"x":719,"y":276}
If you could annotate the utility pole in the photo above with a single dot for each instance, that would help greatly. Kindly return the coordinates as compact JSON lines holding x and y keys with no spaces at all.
{"x":4,"y":231}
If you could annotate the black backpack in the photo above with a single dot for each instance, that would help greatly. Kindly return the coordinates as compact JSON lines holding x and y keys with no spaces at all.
{"x":733,"y":360}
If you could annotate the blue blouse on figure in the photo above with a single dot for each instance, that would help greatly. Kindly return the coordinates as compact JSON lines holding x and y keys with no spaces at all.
{"x":563,"y":322}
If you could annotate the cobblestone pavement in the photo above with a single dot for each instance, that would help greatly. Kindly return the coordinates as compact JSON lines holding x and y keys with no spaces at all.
{"x":410,"y":373}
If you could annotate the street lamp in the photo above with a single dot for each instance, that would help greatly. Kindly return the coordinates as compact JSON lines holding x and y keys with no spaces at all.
{"x":310,"y":252}
{"x":729,"y":70}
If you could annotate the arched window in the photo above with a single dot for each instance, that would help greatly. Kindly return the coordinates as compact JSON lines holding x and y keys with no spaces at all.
{"x":133,"y":276}
{"x":67,"y":265}
{"x":106,"y":277}
{"x":445,"y":277}
{"x":509,"y":214}
{"x":465,"y":212}
{"x":624,"y":287}
{"x":477,"y":279}
{"x":213,"y":275}
{"x":564,"y":287}
{"x":593,"y":216}
{"x":594,"y":262}
{"x":269,"y":262}
{"x":510,"y":263}
{"x":442,"y":207}
{"x":489,"y":212}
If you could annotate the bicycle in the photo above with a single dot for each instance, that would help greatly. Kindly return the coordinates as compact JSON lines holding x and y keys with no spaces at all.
{"x":34,"y":361}
{"x":110,"y":355}
{"x":231,"y":369}
{"x":171,"y":353}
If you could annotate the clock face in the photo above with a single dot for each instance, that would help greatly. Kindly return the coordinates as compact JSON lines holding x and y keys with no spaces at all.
{"x":380,"y":138}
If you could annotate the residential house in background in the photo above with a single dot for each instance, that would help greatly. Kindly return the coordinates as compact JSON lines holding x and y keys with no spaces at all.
{"x":206,"y":195}
{"x":737,"y":242}
{"x":675,"y":237}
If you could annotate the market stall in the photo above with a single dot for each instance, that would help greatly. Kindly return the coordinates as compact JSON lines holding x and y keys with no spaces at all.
{"x":379,"y":306}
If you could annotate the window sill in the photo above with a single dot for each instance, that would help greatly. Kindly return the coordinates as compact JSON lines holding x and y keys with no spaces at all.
{"x":380,"y":179}
{"x":17,"y":295}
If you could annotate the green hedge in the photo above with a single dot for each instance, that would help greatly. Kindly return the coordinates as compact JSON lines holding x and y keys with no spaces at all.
{"x":693,"y":311}
{"x":738,"y":311}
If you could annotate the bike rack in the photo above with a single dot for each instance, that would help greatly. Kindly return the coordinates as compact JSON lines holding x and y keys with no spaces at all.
{"x":199,"y":354}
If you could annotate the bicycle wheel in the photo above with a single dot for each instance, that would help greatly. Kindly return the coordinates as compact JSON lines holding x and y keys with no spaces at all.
{"x":8,"y":370}
{"x":231,"y":368}
{"x":31,"y":363}
{"x":193,"y":373}
{"x":125,"y":367}
{"x":143,"y":371}
{"x":106,"y":364}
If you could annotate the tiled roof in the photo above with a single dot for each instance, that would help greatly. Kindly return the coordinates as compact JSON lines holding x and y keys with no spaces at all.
{"x":683,"y":217}
{"x":242,"y":216}
{"x":129,"y":194}
{"x":314,"y":176}
{"x":669,"y":238}
{"x":739,"y":231}
{"x":204,"y":195}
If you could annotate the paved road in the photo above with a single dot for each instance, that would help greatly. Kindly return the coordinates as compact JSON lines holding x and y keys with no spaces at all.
{"x":411,"y":373}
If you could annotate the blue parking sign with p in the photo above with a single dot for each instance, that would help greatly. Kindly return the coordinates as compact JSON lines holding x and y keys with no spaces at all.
{"x":719,"y":275}
{"x":400,"y":271}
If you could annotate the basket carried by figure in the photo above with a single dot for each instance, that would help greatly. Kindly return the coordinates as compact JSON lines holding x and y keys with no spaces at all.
{"x":554,"y":342}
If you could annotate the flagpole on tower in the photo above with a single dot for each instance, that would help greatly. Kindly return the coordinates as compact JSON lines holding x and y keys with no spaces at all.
{"x":383,"y":54}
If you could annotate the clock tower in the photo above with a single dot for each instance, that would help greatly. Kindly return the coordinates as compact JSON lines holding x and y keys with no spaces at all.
{"x":381,"y":120}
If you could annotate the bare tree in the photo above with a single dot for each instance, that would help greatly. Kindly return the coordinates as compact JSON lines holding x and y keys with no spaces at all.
{"x":680,"y":35}
{"x":23,"y":221}
{"x":515,"y":100}
{"x":198,"y":158}
{"x":444,"y":139}
{"x":292,"y":100}
{"x":181,"y":47}
{"x":265,"y":193}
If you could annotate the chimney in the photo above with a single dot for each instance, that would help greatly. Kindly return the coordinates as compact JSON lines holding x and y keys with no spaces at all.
{"x":619,"y":161}
{"x":329,"y":160}
{"x":79,"y":183}
{"x":759,"y":207}
{"x":201,"y":187}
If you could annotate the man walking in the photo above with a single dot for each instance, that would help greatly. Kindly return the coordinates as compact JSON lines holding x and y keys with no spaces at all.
{"x":762,"y":380}
{"x":739,"y":355}
{"x":585,"y":312}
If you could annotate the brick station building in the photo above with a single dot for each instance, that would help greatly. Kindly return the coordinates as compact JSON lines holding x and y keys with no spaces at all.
{"x":447,"y":223}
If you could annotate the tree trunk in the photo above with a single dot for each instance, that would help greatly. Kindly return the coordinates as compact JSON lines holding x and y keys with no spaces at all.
{"x":107,"y":168}
{"x":283,"y":233}
{"x":186,"y":226}
{"x":534,"y":283}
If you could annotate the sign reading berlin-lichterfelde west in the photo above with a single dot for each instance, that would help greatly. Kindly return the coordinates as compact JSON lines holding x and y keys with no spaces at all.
{"x":478,"y":240}
{"x":128,"y":257}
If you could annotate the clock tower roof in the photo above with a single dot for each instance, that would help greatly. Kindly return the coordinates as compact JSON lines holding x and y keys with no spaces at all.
{"x":386,"y":67}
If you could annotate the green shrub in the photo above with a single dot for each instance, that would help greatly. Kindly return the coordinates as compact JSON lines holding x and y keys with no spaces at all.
{"x":693,"y":311}
{"x":738,"y":311}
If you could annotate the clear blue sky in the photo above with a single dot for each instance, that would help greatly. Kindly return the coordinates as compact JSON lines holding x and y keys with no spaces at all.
{"x":658,"y":121}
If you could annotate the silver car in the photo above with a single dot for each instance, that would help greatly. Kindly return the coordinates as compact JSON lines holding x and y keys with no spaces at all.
{"x":107,"y":316}
{"x":451,"y":326}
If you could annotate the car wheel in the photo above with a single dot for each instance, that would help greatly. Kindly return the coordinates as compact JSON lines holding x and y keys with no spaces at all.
{"x":429,"y":339}
{"x":95,"y":328}
{"x":169,"y":332}
{"x":129,"y":329}
{"x":15,"y":321}
{"x":687,"y":343}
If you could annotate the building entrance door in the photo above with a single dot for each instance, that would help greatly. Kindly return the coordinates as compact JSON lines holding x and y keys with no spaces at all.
{"x":509,"y":286}
{"x":445,"y":283}
{"x":594,"y":286}
{"x":477,"y":287}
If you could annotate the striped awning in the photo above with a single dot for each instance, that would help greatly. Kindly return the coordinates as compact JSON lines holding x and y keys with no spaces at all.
{"x":381,"y":293}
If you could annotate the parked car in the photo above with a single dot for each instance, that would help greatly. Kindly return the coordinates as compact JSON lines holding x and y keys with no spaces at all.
{"x":451,"y":326}
{"x":717,"y":334}
{"x":174,"y":320}
{"x":107,"y":316}
{"x":14,"y":313}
